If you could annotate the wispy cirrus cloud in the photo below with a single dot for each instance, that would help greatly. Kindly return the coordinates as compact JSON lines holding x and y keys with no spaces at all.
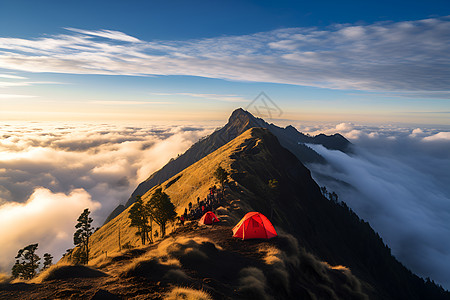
{"x":411,"y":56}
{"x":109,"y":34}
{"x":129,"y":102}
{"x":218,"y":97}
{"x":9,"y":76}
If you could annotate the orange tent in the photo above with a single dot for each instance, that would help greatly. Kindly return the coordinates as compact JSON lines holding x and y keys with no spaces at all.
{"x":208,"y":219}
{"x":254,"y":225}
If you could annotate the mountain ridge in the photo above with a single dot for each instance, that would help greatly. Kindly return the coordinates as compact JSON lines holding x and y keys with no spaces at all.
{"x":238,"y":122}
{"x":328,"y":230}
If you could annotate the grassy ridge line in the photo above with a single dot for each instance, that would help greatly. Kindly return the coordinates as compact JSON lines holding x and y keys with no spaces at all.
{"x":194,"y":182}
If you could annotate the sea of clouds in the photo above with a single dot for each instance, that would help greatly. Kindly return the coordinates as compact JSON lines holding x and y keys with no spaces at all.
{"x":399,"y":181}
{"x":49,"y":173}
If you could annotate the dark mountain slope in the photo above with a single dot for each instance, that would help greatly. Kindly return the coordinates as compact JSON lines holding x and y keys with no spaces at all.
{"x":330,"y":230}
{"x":239,"y":121}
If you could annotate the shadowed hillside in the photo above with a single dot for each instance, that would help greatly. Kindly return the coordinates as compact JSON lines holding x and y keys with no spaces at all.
{"x":330,"y":230}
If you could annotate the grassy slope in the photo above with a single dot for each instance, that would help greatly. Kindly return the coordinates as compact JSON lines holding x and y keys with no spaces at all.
{"x":194,"y":182}
{"x":324,"y":228}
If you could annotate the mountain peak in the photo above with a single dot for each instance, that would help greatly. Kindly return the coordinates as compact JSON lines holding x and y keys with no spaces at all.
{"x":240,"y":115}
{"x":239,"y":121}
{"x":237,"y":113}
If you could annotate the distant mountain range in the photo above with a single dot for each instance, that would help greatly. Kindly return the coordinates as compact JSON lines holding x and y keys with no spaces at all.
{"x":239,"y":121}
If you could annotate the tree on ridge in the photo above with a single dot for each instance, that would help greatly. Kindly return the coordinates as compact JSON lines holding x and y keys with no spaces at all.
{"x":141,"y":219}
{"x":221,"y":175}
{"x":48,"y":261}
{"x":27,"y":262}
{"x":81,"y":237}
{"x":161,"y":209}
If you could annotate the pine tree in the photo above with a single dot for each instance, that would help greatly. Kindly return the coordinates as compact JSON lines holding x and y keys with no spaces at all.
{"x":27,"y":262}
{"x":324,"y":191}
{"x":222,"y":175}
{"x":81,"y":236}
{"x":161,"y":209}
{"x":141,"y":218}
{"x":48,"y":261}
{"x":18,"y":269}
{"x":333,"y":197}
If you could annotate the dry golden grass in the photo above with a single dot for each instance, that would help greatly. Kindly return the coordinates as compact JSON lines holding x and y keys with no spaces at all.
{"x":145,"y":258}
{"x":194,"y":182}
{"x":5,"y":278}
{"x":272,"y":255}
{"x":277,"y":258}
{"x":187,"y":294}
{"x":44,"y":274}
{"x":101,"y":261}
{"x":67,"y":272}
{"x":161,"y":253}
{"x":340,"y":268}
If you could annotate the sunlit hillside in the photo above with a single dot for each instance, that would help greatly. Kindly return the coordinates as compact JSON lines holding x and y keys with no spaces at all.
{"x":182,"y":188}
{"x":315,"y":234}
{"x":190,"y":253}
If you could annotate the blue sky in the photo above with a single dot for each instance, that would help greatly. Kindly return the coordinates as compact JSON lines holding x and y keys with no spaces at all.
{"x":340,"y":61}
{"x":182,"y":20}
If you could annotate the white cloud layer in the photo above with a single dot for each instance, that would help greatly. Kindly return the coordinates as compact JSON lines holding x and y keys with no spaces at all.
{"x":399,"y":183}
{"x":50,"y":172}
{"x":46,"y":218}
{"x":408,"y":58}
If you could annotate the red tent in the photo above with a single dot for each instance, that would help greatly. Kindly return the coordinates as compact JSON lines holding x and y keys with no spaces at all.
{"x":254,"y":225}
{"x":208,"y":219}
